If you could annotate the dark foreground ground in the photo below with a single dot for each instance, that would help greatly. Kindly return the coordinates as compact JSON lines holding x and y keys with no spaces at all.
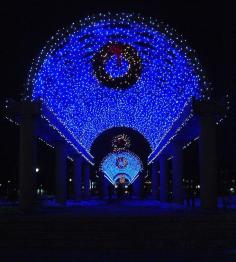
{"x":117,"y":231}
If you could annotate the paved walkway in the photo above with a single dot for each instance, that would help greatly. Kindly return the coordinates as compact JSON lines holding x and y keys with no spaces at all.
{"x":117,"y":231}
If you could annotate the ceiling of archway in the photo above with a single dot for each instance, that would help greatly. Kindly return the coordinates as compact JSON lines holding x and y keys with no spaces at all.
{"x":116,"y":71}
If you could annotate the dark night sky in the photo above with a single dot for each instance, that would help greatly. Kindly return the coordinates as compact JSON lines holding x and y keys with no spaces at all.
{"x":26,"y":26}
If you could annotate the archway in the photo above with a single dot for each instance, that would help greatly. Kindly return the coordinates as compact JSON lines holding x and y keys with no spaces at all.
{"x":102,"y":145}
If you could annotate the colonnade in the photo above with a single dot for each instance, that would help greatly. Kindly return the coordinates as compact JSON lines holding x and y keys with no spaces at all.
{"x":61,"y":175}
{"x":28,"y":155}
{"x":207,"y":166}
{"x":161,"y":179}
{"x":81,"y":182}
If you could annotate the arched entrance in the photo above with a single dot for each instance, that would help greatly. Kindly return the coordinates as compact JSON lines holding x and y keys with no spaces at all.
{"x":103,"y":147}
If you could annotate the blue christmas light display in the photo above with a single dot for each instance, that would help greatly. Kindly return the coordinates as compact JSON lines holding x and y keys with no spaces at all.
{"x":63,"y":78}
{"x":124,"y":163}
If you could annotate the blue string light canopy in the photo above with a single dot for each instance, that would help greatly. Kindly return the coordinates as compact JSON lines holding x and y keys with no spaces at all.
{"x":119,"y":70}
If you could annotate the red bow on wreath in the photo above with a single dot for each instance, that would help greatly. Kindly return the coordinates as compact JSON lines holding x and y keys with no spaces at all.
{"x":117,"y":51}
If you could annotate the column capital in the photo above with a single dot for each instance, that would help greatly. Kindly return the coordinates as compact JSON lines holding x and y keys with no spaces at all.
{"x":86,"y":164}
{"x":162,"y":157}
{"x":78,"y":158}
{"x":60,"y":144}
{"x":154,"y":163}
{"x":177,"y":145}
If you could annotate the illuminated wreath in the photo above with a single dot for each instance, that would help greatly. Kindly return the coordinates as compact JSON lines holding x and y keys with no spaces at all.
{"x":122,"y":52}
{"x":120,"y":142}
{"x":121,"y":162}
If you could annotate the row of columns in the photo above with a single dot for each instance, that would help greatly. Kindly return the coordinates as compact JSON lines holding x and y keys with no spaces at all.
{"x":177,"y":176}
{"x":138,"y":186}
{"x":61,"y":175}
{"x":207,"y":167}
{"x":28,"y":163}
{"x":207,"y":164}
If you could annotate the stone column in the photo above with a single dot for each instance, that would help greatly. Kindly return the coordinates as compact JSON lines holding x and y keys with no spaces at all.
{"x":61,"y":172}
{"x":163,"y":179}
{"x":207,"y":162}
{"x":105,"y":183}
{"x":177,"y":173}
{"x":27,"y":161}
{"x":206,"y":111}
{"x":154,"y":180}
{"x":77,"y":181}
{"x":137,"y":186}
{"x":86,"y":181}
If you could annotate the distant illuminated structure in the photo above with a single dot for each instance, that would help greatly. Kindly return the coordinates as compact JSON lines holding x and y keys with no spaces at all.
{"x":109,"y":71}
{"x":123,"y":163}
